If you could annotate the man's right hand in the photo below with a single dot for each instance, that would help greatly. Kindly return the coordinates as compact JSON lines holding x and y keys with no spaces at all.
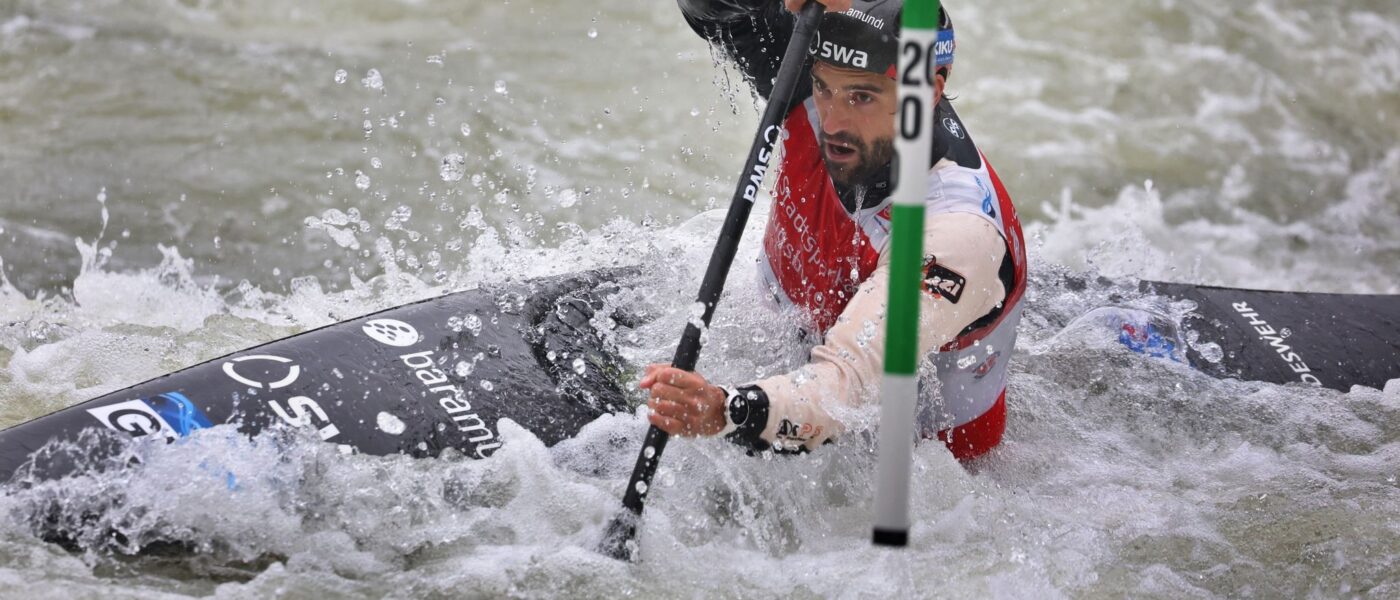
{"x":831,"y":5}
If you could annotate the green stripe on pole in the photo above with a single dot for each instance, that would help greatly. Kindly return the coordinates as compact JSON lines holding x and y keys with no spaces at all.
{"x":920,"y":15}
{"x":906,"y":258}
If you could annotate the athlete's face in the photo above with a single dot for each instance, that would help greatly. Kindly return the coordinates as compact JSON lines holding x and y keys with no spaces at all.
{"x":856,"y":111}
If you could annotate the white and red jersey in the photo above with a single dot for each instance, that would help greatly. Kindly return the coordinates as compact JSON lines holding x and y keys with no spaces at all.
{"x":818,"y":253}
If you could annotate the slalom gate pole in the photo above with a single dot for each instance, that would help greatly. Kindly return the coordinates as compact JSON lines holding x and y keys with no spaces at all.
{"x":899,"y":389}
{"x":618,"y":540}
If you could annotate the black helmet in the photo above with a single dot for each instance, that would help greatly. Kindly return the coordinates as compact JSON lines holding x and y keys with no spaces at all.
{"x":866,"y":37}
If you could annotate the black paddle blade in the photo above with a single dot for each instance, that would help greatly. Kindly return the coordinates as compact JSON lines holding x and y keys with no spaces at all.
{"x":620,"y":538}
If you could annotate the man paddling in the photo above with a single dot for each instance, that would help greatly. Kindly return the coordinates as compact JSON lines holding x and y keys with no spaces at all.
{"x":824,"y":250}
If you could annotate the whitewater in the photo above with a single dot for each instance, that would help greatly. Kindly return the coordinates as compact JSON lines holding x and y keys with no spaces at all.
{"x":187,"y":178}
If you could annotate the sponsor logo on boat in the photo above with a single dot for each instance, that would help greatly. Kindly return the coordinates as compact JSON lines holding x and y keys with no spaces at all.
{"x":449,"y":396}
{"x":391,"y":332}
{"x":1274,"y":338}
{"x":168,"y":415}
{"x":133,"y":417}
{"x":300,"y":411}
{"x":293,"y":371}
{"x":452,"y":400}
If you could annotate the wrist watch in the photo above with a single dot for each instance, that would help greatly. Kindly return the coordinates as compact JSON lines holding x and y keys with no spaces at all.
{"x":736,"y":411}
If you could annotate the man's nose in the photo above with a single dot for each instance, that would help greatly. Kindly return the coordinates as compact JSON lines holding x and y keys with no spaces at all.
{"x":835,"y":117}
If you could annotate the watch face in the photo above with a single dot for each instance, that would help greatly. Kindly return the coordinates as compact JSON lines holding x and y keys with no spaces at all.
{"x":738,"y":409}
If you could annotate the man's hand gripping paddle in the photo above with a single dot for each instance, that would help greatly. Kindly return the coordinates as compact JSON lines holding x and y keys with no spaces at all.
{"x":619,"y":539}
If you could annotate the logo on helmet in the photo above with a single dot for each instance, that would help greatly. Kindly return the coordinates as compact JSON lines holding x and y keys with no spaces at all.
{"x":833,"y":52}
{"x":944,"y":47}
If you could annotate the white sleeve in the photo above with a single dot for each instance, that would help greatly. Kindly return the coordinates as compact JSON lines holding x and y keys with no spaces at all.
{"x":963,"y":257}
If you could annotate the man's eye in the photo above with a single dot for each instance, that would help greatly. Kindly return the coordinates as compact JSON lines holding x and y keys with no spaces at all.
{"x":861,"y":98}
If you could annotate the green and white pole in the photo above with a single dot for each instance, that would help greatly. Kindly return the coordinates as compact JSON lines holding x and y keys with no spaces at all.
{"x":899,"y":390}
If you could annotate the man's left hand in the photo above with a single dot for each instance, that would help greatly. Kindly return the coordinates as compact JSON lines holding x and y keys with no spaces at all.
{"x":682,"y":402}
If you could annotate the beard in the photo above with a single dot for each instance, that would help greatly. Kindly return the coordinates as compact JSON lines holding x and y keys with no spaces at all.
{"x":870,"y":158}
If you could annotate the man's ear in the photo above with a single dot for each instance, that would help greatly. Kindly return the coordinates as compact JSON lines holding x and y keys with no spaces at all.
{"x":940,"y":79}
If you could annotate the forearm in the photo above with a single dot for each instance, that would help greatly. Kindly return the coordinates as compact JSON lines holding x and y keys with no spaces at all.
{"x":752,"y":33}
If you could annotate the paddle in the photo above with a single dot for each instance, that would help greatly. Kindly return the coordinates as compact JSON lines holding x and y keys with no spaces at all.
{"x":618,"y":540}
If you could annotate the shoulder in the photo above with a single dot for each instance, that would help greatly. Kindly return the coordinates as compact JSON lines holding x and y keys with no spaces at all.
{"x":964,"y":233}
{"x":953,"y":188}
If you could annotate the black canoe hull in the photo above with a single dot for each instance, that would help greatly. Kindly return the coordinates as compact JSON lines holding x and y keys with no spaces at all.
{"x":413,"y":380}
{"x":1331,"y":340}
{"x":440,"y":373}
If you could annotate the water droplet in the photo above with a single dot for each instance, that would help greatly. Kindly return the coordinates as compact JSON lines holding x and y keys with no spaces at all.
{"x":567,"y":198}
{"x":373,"y":80}
{"x":641,"y":487}
{"x":453,"y":167}
{"x":375,"y":162}
{"x":472,"y":323}
{"x":390,"y":424}
{"x":697,"y":315}
{"x":579,"y":366}
{"x":650,"y":451}
{"x":592,"y":32}
{"x":551,"y":356}
{"x":694,"y":112}
{"x":464,"y":368}
{"x":501,"y":87}
{"x":341,"y":76}
{"x":361,"y":180}
{"x":487,"y":385}
{"x":1211,"y":352}
{"x":466,"y":130}
{"x":435,"y":60}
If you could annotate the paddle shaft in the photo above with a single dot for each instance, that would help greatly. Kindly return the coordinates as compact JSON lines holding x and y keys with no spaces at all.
{"x":765,"y":142}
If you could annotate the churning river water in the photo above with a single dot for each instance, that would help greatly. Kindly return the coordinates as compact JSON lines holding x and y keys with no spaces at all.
{"x":183,"y":178}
